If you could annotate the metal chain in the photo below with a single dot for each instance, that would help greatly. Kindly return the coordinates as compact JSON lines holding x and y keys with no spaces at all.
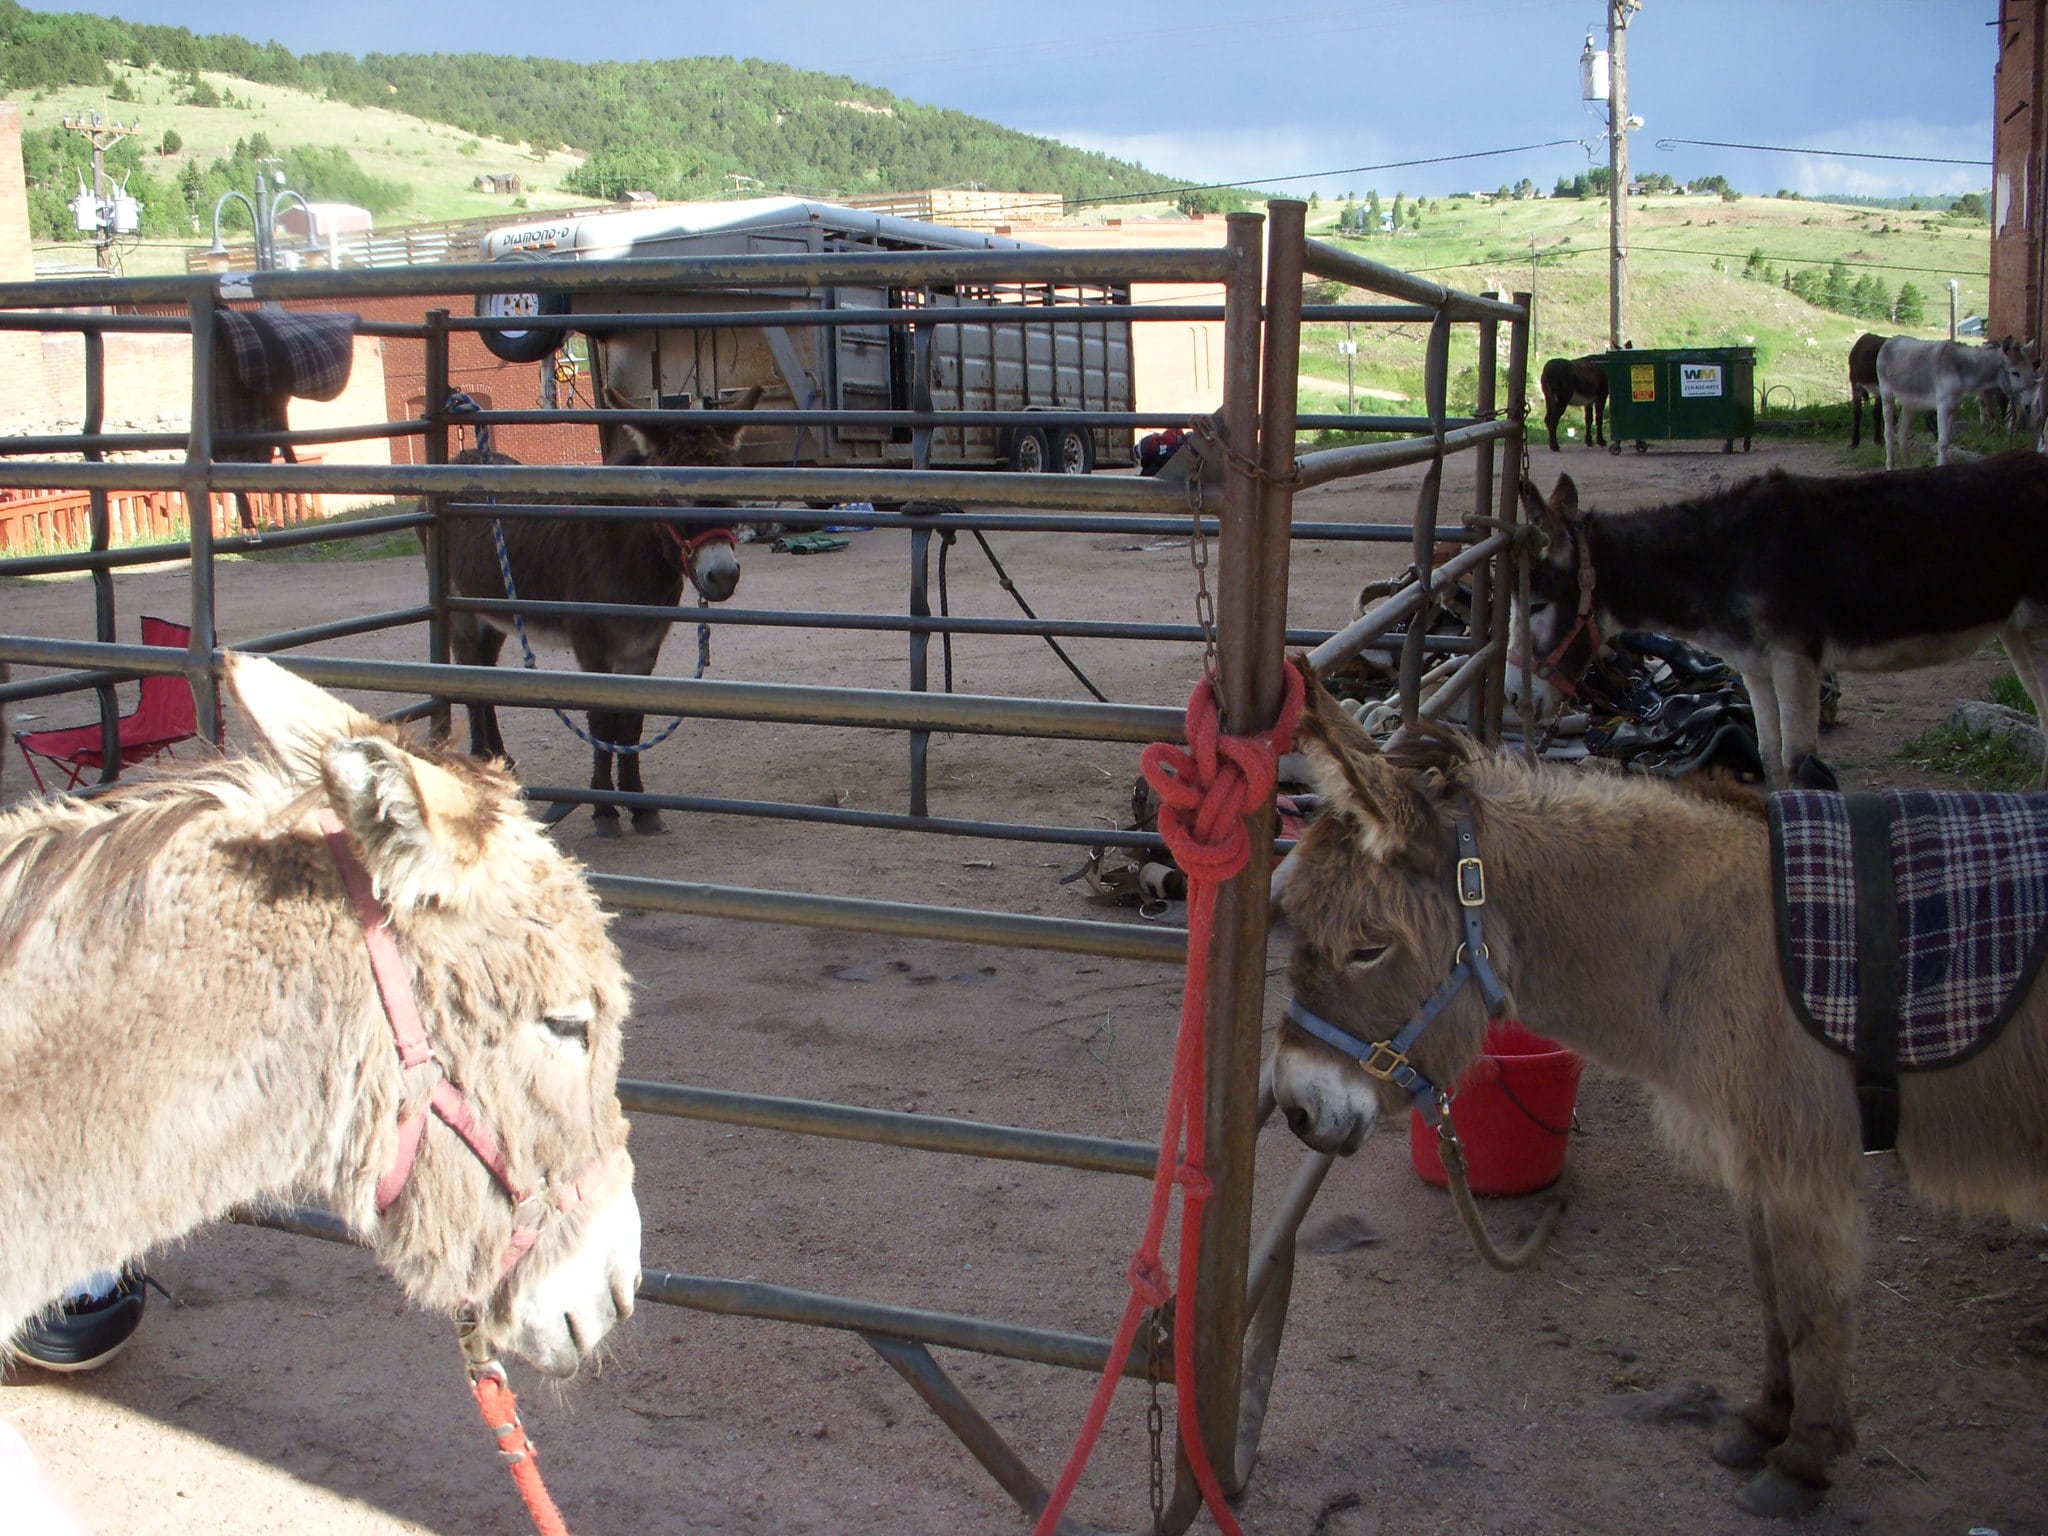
{"x":1155,"y":1417}
{"x":1205,"y":602}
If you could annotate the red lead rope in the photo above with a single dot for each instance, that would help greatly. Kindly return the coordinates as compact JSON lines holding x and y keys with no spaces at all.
{"x":1205,"y":794}
{"x":501,"y":1412}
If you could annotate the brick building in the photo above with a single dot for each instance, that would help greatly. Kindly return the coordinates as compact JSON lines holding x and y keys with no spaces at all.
{"x":491,"y":383}
{"x":2019,"y":171}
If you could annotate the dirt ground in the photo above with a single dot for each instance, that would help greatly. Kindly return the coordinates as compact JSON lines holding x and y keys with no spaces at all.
{"x":293,"y":1389}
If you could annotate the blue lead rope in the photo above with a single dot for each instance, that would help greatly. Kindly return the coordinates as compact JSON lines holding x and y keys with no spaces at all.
{"x":526,"y":650}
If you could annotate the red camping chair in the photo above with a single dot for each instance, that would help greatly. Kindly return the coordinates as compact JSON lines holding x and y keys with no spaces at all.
{"x":163,"y":717}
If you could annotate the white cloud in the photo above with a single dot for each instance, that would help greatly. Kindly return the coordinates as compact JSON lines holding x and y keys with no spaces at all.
{"x":1821,"y":173}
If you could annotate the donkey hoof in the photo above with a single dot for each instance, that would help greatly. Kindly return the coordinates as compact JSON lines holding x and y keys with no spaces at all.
{"x":649,"y":823}
{"x":608,"y":827}
{"x":1742,"y":1446}
{"x":1776,"y":1495}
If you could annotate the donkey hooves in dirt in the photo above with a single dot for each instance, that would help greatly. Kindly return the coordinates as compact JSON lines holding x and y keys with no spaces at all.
{"x":649,"y":823}
{"x":1776,"y":1495}
{"x":1741,"y":1445}
{"x":608,"y":826}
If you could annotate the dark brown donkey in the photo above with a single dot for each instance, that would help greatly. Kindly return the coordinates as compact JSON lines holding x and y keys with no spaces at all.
{"x":556,"y":560}
{"x":1863,"y":386}
{"x":1575,"y":381}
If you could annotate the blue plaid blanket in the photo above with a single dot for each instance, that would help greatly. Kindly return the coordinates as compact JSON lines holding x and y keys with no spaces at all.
{"x":1970,"y":873}
{"x":263,"y":357}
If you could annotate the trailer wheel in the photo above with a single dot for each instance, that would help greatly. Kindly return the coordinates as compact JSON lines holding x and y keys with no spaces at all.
{"x":522,"y":346}
{"x":1028,"y":453}
{"x":1073,"y":450}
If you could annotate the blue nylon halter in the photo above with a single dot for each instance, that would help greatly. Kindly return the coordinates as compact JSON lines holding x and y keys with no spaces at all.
{"x":1387,"y":1059}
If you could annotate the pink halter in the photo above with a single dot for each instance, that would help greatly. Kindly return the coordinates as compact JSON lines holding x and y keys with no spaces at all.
{"x":530,"y":1208}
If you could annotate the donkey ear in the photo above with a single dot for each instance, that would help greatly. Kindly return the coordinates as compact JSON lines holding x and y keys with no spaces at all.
{"x":635,"y":434}
{"x":1376,"y":800}
{"x":747,"y":400}
{"x":292,"y":719}
{"x":1564,"y":502}
{"x":422,"y":829}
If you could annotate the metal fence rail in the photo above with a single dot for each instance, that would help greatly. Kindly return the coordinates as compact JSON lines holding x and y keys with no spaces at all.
{"x":1239,"y":493}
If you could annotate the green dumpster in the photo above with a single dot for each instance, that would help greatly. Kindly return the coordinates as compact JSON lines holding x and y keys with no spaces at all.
{"x":1657,"y":394}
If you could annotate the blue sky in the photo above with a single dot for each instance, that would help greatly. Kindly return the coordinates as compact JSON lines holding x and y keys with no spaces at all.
{"x":1246,"y":93}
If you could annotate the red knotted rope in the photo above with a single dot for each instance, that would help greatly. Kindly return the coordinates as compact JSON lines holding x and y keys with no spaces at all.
{"x":501,"y":1412}
{"x":1205,"y":794}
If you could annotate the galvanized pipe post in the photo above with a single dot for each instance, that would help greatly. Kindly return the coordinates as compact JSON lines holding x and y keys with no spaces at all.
{"x":102,"y":536}
{"x":197,"y":484}
{"x":1251,"y":613}
{"x":920,"y":660}
{"x":1482,"y":713}
{"x":434,"y":450}
{"x":1513,"y":563}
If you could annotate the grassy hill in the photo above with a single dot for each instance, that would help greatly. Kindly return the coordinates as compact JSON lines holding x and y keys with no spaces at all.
{"x":429,"y":161}
{"x":681,"y":128}
{"x":1686,"y":260}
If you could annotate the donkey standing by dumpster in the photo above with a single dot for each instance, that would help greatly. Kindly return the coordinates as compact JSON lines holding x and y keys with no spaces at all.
{"x":1567,"y":382}
{"x":596,"y":561}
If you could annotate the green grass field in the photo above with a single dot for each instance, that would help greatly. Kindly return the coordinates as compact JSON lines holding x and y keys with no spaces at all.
{"x":1686,"y":288}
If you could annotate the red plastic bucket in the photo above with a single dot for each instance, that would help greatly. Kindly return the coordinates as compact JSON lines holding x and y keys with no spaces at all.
{"x":1513,"y":1113}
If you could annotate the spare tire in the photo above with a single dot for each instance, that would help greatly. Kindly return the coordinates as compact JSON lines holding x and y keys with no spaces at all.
{"x":522,"y":346}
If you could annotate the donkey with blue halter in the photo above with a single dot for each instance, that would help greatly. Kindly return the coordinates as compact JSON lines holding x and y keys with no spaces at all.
{"x":1719,"y":956}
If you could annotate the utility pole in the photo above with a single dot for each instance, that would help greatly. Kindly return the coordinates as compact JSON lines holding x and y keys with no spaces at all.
{"x":103,"y":135}
{"x":1618,"y":125}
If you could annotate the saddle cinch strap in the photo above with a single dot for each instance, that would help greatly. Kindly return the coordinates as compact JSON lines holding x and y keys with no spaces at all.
{"x":1387,"y":1059}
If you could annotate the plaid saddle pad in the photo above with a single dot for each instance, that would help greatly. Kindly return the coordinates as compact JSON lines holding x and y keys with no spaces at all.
{"x":264,"y":356}
{"x":1970,"y":880}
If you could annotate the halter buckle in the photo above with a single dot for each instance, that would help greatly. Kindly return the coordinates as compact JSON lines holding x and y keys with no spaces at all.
{"x":1384,"y":1061}
{"x":1471,"y":883}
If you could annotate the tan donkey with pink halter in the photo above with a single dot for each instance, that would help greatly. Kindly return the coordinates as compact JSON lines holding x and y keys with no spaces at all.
{"x":344,"y":968}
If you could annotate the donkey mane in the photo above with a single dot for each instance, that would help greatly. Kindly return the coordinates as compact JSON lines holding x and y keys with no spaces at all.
{"x":1459,"y":764}
{"x":100,"y":851}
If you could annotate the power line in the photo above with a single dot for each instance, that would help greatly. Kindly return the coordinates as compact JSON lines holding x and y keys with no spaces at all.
{"x":1812,"y":261}
{"x":1839,"y":154}
{"x":1348,"y":170}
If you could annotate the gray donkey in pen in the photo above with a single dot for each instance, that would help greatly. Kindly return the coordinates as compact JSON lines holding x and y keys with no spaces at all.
{"x":583,"y":561}
{"x":1938,"y":376}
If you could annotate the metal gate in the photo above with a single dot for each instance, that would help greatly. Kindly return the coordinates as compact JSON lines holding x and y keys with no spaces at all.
{"x":1239,"y":494}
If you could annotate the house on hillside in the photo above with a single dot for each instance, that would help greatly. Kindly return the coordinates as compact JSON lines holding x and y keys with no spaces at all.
{"x":506,"y":183}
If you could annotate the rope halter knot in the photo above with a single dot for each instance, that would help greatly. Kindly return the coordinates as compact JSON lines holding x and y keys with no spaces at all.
{"x":1207,"y":789}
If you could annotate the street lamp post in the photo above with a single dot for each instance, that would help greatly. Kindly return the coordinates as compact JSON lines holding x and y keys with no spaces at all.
{"x":263,"y":212}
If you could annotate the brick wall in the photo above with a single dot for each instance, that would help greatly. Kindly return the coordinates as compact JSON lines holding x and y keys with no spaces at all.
{"x":472,"y":369}
{"x":2019,"y":147}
